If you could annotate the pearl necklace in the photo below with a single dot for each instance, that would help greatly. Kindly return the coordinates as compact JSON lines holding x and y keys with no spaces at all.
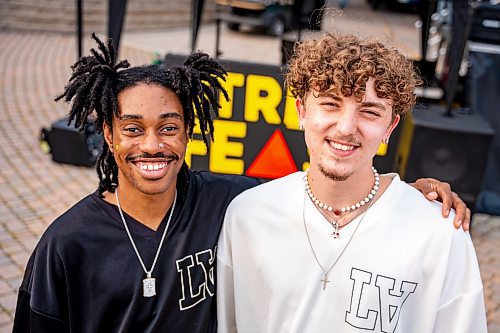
{"x":357,"y":205}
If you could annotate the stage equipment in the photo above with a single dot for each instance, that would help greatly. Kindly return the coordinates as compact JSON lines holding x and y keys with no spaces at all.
{"x":426,"y":10}
{"x":116,"y":15}
{"x":69,"y":145}
{"x":483,"y":85}
{"x":196,"y":15}
{"x":450,"y":148}
{"x":79,"y":28}
{"x":485,"y":26}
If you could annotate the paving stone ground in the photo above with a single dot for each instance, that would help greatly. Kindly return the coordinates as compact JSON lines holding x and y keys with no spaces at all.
{"x":34,"y":190}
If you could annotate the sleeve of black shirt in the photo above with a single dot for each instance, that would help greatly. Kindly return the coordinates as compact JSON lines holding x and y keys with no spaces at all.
{"x":26,"y":319}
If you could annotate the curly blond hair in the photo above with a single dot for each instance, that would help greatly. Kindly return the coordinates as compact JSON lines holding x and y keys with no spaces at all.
{"x":342,"y":64}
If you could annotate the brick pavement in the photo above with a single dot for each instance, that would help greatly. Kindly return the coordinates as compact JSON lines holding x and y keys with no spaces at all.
{"x":34,"y":190}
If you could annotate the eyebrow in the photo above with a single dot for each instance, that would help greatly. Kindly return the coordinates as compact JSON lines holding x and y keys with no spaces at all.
{"x":373,"y":104}
{"x":363,"y":104}
{"x":130,"y":117}
{"x":160,"y":116}
{"x":329,"y":95}
{"x":170,"y":115}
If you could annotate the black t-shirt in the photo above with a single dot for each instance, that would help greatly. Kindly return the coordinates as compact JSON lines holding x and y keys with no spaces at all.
{"x":84,"y":275}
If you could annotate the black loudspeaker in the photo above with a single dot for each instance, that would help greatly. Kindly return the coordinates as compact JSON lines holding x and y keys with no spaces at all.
{"x":72,"y":146}
{"x":483,"y":90}
{"x":452,"y":149}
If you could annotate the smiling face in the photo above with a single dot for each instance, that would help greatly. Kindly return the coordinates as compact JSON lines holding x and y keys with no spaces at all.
{"x":148,"y":140}
{"x":343,"y":135}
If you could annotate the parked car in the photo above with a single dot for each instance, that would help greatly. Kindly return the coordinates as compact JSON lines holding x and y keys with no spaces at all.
{"x":275,"y":17}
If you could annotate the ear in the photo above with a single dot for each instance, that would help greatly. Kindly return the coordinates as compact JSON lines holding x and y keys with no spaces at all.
{"x":301,"y":110}
{"x":392,"y":126}
{"x":108,"y":136}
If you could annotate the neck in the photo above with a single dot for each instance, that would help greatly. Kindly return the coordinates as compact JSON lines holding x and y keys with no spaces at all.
{"x":145,"y":208}
{"x":343,"y":193}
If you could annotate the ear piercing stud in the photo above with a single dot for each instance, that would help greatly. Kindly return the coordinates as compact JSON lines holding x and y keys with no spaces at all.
{"x":161,"y":145}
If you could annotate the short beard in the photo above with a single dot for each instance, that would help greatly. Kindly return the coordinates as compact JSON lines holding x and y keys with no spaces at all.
{"x":333,"y":176}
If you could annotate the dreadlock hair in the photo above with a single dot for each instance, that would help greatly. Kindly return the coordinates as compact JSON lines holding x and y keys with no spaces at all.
{"x":97,"y":80}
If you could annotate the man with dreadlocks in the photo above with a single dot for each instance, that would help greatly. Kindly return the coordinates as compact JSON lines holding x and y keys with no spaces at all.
{"x":137,"y":255}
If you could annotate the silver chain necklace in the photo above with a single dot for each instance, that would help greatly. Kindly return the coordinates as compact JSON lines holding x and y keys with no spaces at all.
{"x":327,"y":271}
{"x":148,"y":283}
{"x":336,"y":225}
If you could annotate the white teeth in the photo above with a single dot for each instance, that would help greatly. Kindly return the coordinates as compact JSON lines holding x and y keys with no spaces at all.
{"x":151,"y":166}
{"x":342,"y":147}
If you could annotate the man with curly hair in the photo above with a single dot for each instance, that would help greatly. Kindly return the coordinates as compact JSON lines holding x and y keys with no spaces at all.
{"x":339,"y":247}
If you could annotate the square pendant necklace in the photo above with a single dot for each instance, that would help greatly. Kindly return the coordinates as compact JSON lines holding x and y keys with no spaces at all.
{"x":148,"y":283}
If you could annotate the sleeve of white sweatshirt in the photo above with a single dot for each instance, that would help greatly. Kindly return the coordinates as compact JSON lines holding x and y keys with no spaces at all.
{"x":461,"y":309}
{"x":225,"y":285}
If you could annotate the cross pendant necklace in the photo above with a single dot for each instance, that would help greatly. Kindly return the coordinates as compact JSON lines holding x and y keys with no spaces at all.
{"x":325,"y":280}
{"x":325,"y":270}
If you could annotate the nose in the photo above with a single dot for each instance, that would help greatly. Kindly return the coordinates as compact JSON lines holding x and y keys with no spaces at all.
{"x":151,"y":143}
{"x":347,"y":122}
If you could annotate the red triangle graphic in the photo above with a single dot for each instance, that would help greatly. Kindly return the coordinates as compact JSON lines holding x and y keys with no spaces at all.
{"x":274,"y":160}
